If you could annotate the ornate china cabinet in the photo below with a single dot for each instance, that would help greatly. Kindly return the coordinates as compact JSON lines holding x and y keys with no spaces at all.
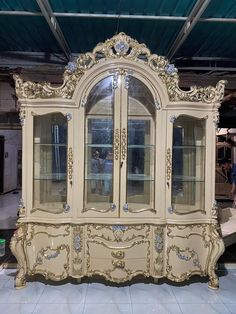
{"x":118,"y":171}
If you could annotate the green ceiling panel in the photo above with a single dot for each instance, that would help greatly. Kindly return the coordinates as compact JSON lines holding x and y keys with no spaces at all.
{"x":19,"y":5}
{"x":220,"y":9}
{"x":210,"y":40}
{"x":146,"y":7}
{"x":157,"y":35}
{"x":26,"y":33}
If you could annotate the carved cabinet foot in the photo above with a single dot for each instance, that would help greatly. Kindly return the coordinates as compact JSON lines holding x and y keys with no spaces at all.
{"x":213,"y":283}
{"x":17,"y":249}
{"x":20,"y":279}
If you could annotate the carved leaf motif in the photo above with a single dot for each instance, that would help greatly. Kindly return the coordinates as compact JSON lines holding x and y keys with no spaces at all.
{"x":119,"y":46}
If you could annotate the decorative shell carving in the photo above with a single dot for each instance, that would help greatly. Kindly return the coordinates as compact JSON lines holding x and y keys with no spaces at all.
{"x":120,"y":46}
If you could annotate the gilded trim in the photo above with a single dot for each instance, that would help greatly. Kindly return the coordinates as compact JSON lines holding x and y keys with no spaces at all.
{"x":123,"y":144}
{"x":120,"y":46}
{"x":116,"y":143}
{"x":70,"y":165}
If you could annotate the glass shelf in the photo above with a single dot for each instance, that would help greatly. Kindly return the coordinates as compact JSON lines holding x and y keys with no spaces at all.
{"x":140,"y":146}
{"x":99,"y":145}
{"x":187,"y":146}
{"x":51,"y":145}
{"x":139,"y":177}
{"x":99,"y":176}
{"x":52,"y":176}
{"x":187,"y":179}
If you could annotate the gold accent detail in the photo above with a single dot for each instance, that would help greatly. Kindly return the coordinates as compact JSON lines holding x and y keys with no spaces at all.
{"x":32,"y":232}
{"x":123,"y":247}
{"x":21,"y":208}
{"x":118,"y":264}
{"x":48,"y":274}
{"x":185,"y":254}
{"x":188,"y":212}
{"x":110,"y":50}
{"x":86,"y":209}
{"x":211,"y":241}
{"x":118,"y":254}
{"x":159,"y":251}
{"x":168,"y":165}
{"x":70,"y":165}
{"x":22,"y":116}
{"x":77,"y":258}
{"x":141,"y":210}
{"x":116,"y":143}
{"x":120,"y":234}
{"x":123,"y":144}
{"x":216,"y":118}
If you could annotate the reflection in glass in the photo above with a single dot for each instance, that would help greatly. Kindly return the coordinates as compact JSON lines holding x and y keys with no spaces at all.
{"x":140,"y":159}
{"x":99,"y":145}
{"x":188,"y":164}
{"x":50,"y":161}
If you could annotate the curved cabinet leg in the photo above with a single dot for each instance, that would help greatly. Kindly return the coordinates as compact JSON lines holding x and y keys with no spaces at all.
{"x":217,"y":249}
{"x":17,"y":248}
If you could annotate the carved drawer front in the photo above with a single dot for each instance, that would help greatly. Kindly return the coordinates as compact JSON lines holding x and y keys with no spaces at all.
{"x":118,"y":233}
{"x":187,"y":251}
{"x":118,"y":262}
{"x":48,"y":250}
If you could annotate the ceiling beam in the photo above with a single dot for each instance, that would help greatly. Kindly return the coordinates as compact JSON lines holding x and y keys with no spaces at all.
{"x":191,"y":21}
{"x":121,"y":16}
{"x":54,"y":26}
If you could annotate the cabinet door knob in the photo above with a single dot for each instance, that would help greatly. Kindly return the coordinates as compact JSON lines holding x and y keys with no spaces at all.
{"x":126,"y":207}
{"x":113,"y":207}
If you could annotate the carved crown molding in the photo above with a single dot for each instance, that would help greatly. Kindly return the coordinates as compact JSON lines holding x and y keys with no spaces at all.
{"x":120,"y":46}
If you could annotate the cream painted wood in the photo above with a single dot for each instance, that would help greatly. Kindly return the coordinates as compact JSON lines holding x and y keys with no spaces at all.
{"x":119,"y":244}
{"x":38,"y":209}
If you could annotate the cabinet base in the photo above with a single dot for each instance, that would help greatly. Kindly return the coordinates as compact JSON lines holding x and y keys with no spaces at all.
{"x":117,"y":252}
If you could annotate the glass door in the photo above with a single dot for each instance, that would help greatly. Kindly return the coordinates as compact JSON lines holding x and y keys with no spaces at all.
{"x":101,"y":171}
{"x":50,"y":163}
{"x":138,"y":150}
{"x":188,"y":165}
{"x":119,"y":149}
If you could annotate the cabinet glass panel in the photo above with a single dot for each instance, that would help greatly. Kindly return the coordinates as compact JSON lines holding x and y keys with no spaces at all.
{"x":140,"y":152}
{"x":50,"y":161}
{"x":188,"y":164}
{"x":99,"y":146}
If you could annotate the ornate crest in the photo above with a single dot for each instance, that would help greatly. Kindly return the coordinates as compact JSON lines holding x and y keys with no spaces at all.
{"x":119,"y":46}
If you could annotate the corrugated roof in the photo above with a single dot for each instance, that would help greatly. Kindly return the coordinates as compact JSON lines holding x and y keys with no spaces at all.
{"x":85,"y":23}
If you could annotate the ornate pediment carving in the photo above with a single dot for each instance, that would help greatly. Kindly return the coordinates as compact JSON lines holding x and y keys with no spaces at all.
{"x":120,"y":46}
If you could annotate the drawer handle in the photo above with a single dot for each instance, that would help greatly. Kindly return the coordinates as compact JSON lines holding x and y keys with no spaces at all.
{"x":118,"y":264}
{"x":118,"y":254}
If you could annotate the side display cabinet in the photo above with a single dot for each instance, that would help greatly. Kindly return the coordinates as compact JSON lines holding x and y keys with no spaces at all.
{"x":118,"y":171}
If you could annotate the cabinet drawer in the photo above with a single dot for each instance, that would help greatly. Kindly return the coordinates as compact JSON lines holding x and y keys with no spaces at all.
{"x":118,"y":270}
{"x":118,"y":233}
{"x":107,"y":250}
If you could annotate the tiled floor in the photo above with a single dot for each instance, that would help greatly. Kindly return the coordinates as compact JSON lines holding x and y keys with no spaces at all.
{"x":138,"y":297}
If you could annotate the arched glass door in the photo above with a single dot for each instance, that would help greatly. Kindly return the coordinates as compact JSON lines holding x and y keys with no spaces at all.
{"x":119,"y":148}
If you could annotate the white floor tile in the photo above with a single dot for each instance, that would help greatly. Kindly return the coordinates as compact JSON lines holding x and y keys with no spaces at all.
{"x":196,"y":293}
{"x":231,"y":307}
{"x":30,"y":294}
{"x":156,"y":308}
{"x":59,"y":308}
{"x":64,"y":293}
{"x":215,"y":308}
{"x":108,"y":308}
{"x":17,"y":308}
{"x":100,"y":293}
{"x":151,"y":293}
